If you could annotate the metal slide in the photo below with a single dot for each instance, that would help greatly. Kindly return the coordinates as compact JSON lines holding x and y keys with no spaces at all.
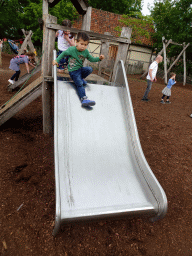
{"x":100,"y":168}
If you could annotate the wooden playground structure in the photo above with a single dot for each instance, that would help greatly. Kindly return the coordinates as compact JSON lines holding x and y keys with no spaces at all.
{"x":44,"y":84}
{"x":163,"y":51}
{"x":50,"y":27}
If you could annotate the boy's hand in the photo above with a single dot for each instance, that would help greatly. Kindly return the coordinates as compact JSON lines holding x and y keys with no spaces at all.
{"x":101,"y":57}
{"x":54,"y":62}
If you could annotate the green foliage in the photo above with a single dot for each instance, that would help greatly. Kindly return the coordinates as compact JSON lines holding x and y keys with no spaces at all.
{"x":172,"y":19}
{"x":142,"y":26}
{"x":18,"y":14}
{"x":120,"y":7}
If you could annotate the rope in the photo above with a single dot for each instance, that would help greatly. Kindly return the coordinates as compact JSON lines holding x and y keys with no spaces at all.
{"x":23,"y":84}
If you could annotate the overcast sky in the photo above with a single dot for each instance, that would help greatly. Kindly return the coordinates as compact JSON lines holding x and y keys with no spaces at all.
{"x":145,"y":11}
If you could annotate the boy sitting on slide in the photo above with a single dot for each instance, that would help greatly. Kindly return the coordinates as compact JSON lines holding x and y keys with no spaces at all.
{"x":77,"y":54}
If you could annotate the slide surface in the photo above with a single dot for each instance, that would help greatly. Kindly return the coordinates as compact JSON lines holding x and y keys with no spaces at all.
{"x":100,"y":168}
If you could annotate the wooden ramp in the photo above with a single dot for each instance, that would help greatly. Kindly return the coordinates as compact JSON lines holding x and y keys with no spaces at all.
{"x":24,"y":78}
{"x":21,"y":100}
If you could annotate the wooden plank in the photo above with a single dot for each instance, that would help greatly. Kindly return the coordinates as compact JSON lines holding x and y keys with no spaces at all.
{"x":86,"y":24}
{"x":105,"y":51}
{"x":176,"y":43}
{"x":90,"y":33}
{"x":122,"y":49}
{"x":184,"y":65}
{"x":165,"y":59}
{"x":0,"y":56}
{"x":29,"y":42}
{"x":184,"y":48}
{"x":21,"y":100}
{"x":80,"y":6}
{"x":52,"y":3}
{"x":170,"y":40}
{"x":26,"y":42}
{"x":24,"y":78}
{"x":48,"y":47}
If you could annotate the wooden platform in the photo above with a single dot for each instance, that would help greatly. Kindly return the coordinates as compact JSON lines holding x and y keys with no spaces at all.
{"x":21,"y":100}
{"x":24,"y":78}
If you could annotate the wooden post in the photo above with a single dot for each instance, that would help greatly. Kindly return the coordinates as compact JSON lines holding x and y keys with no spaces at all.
{"x":165,"y":59}
{"x":184,"y":65}
{"x":26,"y":42}
{"x":86,"y":24}
{"x":170,"y":40}
{"x":184,"y":48}
{"x":122,"y":49}
{"x":31,"y":46}
{"x":1,"y":47}
{"x":128,"y":59}
{"x":105,"y":51}
{"x":48,"y":47}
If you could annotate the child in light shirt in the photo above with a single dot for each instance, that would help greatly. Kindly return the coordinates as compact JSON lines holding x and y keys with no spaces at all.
{"x":167,"y":90}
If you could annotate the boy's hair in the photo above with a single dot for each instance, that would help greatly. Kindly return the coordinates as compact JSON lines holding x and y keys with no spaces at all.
{"x":172,"y":74}
{"x":66,"y":23}
{"x":82,"y":35}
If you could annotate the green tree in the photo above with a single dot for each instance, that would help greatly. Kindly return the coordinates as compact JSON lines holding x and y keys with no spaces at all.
{"x":18,"y":14}
{"x":9,"y":19}
{"x":120,"y":7}
{"x":142,"y":27}
{"x":173,"y":20}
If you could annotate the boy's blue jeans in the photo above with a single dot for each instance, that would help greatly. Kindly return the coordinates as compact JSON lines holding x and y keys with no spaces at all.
{"x":63,"y":62}
{"x":77,"y":76}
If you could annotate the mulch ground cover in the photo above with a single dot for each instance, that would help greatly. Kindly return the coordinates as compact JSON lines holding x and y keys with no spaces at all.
{"x":27,"y":185}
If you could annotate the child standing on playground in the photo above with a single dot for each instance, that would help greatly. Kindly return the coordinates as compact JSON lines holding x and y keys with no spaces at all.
{"x":77,"y":54}
{"x":65,"y":40}
{"x":15,"y":64}
{"x":167,"y":90}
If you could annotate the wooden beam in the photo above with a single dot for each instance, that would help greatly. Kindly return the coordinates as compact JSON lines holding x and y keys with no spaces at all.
{"x":184,"y":65}
{"x":21,"y":100}
{"x":1,"y":47}
{"x":184,"y":48}
{"x":90,"y":33}
{"x":52,"y":3}
{"x":165,"y":59}
{"x":105,"y":51}
{"x":176,"y":43}
{"x":86,"y":24}
{"x":24,"y":78}
{"x":45,"y":8}
{"x":170,"y":40}
{"x":26,"y":42}
{"x":159,"y":53}
{"x":80,"y":6}
{"x":48,"y":47}
{"x":122,"y":49}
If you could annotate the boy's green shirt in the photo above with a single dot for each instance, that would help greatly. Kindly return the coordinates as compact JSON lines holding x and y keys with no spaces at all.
{"x":76,"y":58}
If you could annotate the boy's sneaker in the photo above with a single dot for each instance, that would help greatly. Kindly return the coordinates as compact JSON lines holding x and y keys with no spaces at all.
{"x":162,"y":101}
{"x":87,"y":103}
{"x":145,"y":99}
{"x":11,"y":81}
{"x":168,"y":102}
